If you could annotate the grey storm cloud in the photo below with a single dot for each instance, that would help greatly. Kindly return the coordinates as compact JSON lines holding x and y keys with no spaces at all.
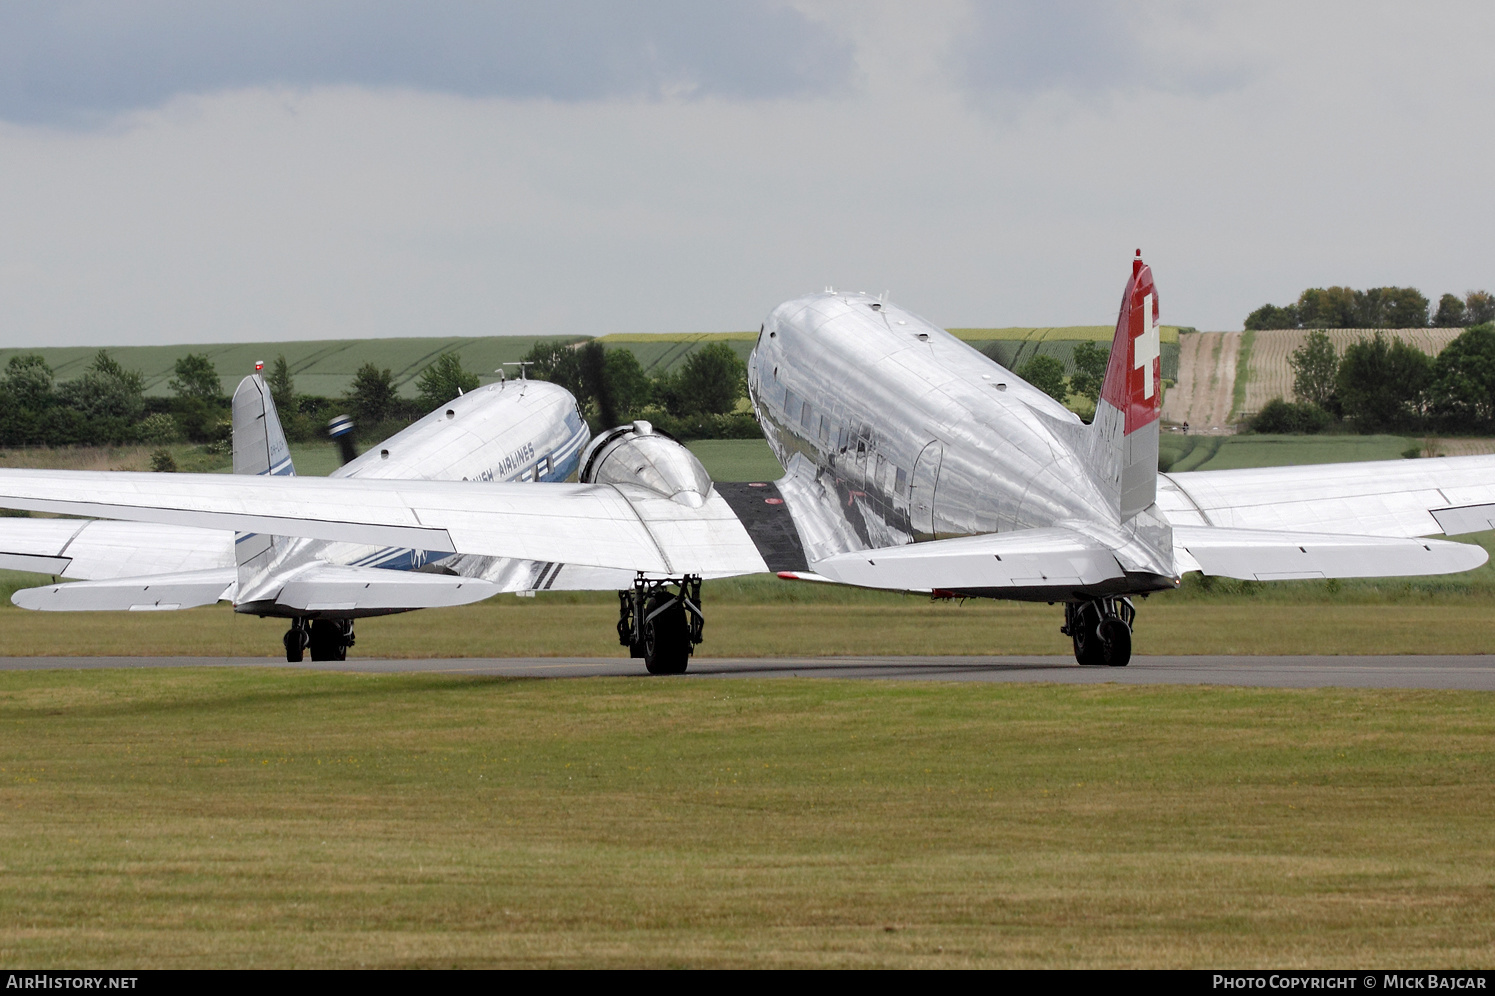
{"x":80,"y":61}
{"x":1086,"y":47}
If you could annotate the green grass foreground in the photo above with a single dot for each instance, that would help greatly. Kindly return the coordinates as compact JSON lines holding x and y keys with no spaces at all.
{"x":511,"y":627}
{"x":166,"y":818}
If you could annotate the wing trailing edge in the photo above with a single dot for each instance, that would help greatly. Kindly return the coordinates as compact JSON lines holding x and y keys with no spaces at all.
{"x":1268,"y":555}
{"x":157,"y":592}
{"x":1029,"y":558}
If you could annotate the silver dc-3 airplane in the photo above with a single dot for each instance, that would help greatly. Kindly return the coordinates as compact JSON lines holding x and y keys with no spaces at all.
{"x":912,"y":463}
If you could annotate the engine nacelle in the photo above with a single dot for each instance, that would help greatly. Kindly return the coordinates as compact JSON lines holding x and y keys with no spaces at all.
{"x":640,"y":454}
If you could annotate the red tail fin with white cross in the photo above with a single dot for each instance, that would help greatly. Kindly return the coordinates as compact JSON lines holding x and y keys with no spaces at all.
{"x":1131,"y":397}
{"x":1134,"y":376}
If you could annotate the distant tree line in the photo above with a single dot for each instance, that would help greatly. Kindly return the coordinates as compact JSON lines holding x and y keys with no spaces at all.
{"x":1376,"y":308}
{"x":697,"y":400}
{"x":1386,"y":385}
{"x":107,"y":405}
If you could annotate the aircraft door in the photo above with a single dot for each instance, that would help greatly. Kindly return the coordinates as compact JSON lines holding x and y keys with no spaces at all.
{"x":921,"y":491}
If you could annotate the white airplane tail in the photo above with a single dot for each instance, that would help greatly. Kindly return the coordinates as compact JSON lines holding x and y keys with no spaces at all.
{"x":260,"y":448}
{"x":1123,"y":455}
{"x":259,"y":442}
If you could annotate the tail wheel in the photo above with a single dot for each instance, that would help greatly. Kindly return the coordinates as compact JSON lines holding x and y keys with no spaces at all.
{"x":667,"y":643}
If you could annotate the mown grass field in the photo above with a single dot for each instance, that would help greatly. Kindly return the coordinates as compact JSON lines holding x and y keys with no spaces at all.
{"x":264,"y":818}
{"x":1195,"y":452}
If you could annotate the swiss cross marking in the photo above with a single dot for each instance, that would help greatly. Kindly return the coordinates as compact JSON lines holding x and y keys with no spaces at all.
{"x":1146,"y":348}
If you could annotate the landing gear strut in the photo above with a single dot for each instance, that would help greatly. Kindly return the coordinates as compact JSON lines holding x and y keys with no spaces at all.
{"x":1101,"y":630}
{"x":327,"y":639}
{"x":660,"y":625}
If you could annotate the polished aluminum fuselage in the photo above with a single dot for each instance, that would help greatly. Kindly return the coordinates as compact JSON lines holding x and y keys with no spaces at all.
{"x":515,"y":431}
{"x":918,"y":435}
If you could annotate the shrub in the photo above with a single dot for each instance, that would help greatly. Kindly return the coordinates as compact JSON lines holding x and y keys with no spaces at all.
{"x":1290,"y":418}
{"x":159,"y":428}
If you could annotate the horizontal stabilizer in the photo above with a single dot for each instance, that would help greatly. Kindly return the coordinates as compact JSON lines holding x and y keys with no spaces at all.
{"x":1028,"y":558}
{"x":334,"y":588}
{"x":1269,"y":555}
{"x":155,"y":593}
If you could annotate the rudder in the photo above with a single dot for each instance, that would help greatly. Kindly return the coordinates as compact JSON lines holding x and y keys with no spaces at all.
{"x":260,"y":448}
{"x":1127,"y":414}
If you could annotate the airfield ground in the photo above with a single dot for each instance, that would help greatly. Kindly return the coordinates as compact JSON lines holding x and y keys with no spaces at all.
{"x":264,"y":818}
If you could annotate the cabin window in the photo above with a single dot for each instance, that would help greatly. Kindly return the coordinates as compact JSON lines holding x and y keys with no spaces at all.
{"x":804,"y":414}
{"x":900,"y":483}
{"x":825,"y":429}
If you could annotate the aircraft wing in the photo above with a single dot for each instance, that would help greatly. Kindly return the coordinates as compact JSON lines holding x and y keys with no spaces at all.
{"x":1057,"y":557}
{"x":612,"y":526}
{"x":90,"y":549}
{"x":1266,"y":555}
{"x":1448,"y":495}
{"x":1027,"y":558}
{"x":157,"y":592}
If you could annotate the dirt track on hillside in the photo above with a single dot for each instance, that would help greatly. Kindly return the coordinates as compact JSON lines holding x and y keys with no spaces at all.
{"x":1206,"y":381}
{"x":1272,"y":375}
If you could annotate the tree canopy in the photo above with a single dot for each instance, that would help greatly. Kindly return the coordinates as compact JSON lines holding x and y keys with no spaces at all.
{"x":372,"y":397}
{"x":196,"y":377}
{"x":1047,"y":374}
{"x":444,"y":380}
{"x":1315,"y":368}
{"x":1375,"y":308}
{"x":1090,"y":360}
{"x":1381,"y":383}
{"x":1463,"y":381}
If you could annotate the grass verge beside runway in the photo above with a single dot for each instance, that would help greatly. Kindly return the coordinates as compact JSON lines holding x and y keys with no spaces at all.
{"x":269,"y":818}
{"x":510,"y":627}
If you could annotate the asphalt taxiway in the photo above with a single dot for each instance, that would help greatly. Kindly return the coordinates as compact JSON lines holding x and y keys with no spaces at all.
{"x":1472,"y":673}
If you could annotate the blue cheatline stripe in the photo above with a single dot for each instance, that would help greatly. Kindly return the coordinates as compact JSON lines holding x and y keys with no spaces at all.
{"x":283,"y":469}
{"x":573,"y":444}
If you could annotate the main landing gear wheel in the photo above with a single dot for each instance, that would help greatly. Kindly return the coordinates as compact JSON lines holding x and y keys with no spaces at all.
{"x":295,"y":641}
{"x":1101,"y":631}
{"x":330,"y":639}
{"x":667,"y":644}
{"x":660,"y":625}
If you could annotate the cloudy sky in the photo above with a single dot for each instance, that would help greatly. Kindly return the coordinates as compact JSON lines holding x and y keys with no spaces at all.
{"x":192,"y":171}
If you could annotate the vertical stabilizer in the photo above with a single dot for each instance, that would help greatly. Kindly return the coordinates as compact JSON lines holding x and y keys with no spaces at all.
{"x":259,"y":448}
{"x":1125,"y":445}
{"x":259,"y":442}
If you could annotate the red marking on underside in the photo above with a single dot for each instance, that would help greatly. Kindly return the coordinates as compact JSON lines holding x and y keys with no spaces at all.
{"x":773,"y":501}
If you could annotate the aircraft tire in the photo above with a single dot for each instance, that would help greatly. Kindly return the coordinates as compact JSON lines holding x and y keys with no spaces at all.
{"x":1115,"y":642}
{"x":295,"y":646}
{"x":326,"y":642}
{"x":666,"y":638}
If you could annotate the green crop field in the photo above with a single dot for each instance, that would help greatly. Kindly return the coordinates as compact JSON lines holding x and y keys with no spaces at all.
{"x":326,"y":367}
{"x":1195,"y":452}
{"x":323,"y":368}
{"x":273,"y":819}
